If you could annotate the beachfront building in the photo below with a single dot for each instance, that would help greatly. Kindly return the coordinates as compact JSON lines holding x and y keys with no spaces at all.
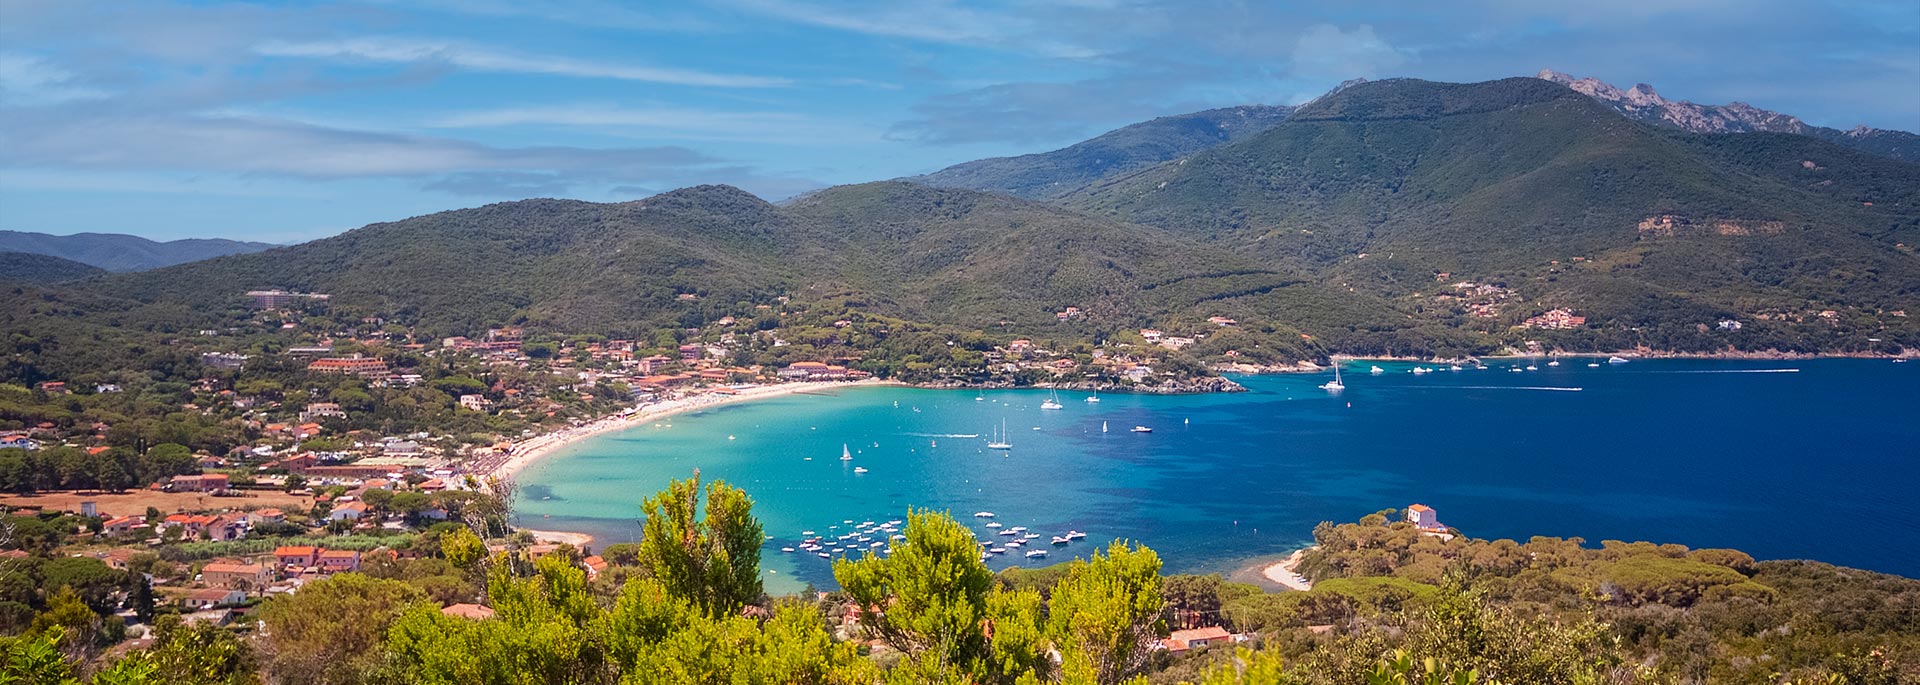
{"x":1424,"y":518}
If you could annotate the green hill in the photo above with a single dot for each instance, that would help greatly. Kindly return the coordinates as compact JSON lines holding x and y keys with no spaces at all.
{"x":116,"y":252}
{"x":938,"y":256}
{"x":1386,"y":184}
{"x":38,"y":268}
{"x":1056,"y":173}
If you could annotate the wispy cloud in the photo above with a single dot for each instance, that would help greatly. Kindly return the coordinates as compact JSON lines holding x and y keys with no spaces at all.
{"x":26,"y":80}
{"x":416,"y":51}
{"x":787,"y":128}
{"x":67,"y":140}
{"x":935,"y":21}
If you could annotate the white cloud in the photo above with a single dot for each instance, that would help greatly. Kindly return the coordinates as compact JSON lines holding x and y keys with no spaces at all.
{"x":787,"y":128}
{"x":1326,"y":52}
{"x":410,"y":51}
{"x":26,"y":80}
{"x":933,"y":21}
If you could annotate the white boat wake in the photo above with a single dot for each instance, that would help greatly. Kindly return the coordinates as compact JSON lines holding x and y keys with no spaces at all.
{"x":967,"y":436}
{"x":1517,"y":387}
{"x":1733,"y":371}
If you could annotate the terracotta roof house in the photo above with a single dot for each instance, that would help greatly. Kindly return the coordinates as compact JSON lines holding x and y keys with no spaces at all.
{"x":473,"y":611}
{"x":297,"y":555}
{"x":235,"y":575}
{"x":1183,"y":640}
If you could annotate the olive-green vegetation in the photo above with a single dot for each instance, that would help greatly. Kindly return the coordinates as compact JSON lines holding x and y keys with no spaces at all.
{"x":1390,"y":605}
{"x":1052,"y":174}
{"x":38,"y":268}
{"x":1383,"y":185}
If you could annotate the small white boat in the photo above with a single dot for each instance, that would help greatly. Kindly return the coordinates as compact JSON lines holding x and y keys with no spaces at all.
{"x":1018,"y":529}
{"x":1376,"y":371}
{"x":1000,"y":441}
{"x":1555,"y":362}
{"x":1036,"y":553}
{"x":1142,"y":429}
{"x":1593,"y":365}
{"x":1093,"y":399}
{"x":1418,"y":370}
{"x":1053,"y":402}
{"x":993,"y":524}
{"x":823,"y":555}
{"x":1008,"y":532}
{"x":786,"y":549}
{"x":859,"y":469}
{"x":1616,"y":360}
{"x":729,"y":437}
{"x":997,"y":550}
{"x":1455,"y":367}
{"x":983,"y":514}
{"x":1103,"y":426}
{"x":1060,"y":540}
{"x":1075,"y":535}
{"x":1015,"y":543}
{"x":1334,"y":385}
{"x":1531,"y":367}
{"x":846,"y":455}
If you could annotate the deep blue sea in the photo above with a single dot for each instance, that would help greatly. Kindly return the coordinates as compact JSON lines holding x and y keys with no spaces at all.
{"x":1811,"y":459}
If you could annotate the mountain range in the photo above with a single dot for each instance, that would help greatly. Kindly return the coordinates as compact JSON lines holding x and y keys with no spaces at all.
{"x":1641,"y":103}
{"x":119,"y":252}
{"x":1388,"y":217}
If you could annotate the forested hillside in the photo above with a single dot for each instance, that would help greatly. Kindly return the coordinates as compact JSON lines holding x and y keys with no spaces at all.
{"x":1056,"y":173}
{"x":116,"y":252}
{"x":39,"y":268}
{"x":1391,"y":186}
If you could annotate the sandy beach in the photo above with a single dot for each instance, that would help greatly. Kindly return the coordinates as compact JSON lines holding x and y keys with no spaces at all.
{"x":580,"y":540}
{"x":531,"y":450}
{"x":1283,"y":572}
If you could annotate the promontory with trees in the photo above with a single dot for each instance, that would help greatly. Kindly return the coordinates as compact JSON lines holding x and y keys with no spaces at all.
{"x":1392,"y":603}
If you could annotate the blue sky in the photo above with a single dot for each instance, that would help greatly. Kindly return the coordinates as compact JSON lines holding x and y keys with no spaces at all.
{"x":291,"y":121}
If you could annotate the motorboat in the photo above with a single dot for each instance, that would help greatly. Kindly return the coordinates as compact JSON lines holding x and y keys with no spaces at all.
{"x":1060,"y":540}
{"x":982,"y":514}
{"x":1036,"y":553}
{"x":859,"y":469}
{"x":1075,"y":535}
{"x":1142,"y":429}
{"x":1376,"y":371}
{"x":1616,"y":360}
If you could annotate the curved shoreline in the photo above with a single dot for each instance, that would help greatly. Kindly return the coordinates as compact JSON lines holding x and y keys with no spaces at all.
{"x":526,"y":452}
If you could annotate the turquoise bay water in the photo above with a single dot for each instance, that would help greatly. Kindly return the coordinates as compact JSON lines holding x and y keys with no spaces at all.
{"x":1822,"y":463}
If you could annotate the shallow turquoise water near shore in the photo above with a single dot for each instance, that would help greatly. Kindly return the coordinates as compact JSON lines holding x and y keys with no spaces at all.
{"x":1820,"y":463}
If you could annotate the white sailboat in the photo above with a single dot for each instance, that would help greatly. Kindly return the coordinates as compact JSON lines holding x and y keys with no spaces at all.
{"x":1103,"y":426}
{"x":1000,"y":440}
{"x":845,"y":454}
{"x":1334,"y":385}
{"x":1053,"y":402}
